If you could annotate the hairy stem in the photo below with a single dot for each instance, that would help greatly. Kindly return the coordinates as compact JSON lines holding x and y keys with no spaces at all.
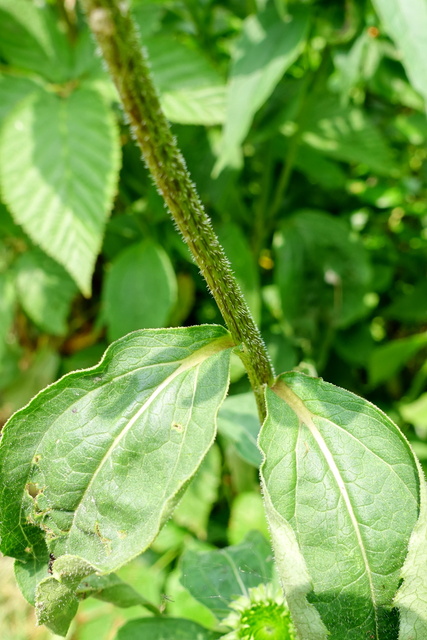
{"x":115,"y":33}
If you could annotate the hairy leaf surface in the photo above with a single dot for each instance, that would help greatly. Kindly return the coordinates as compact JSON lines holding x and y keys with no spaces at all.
{"x":341,"y":489}
{"x":59,"y":161}
{"x":96,"y":462}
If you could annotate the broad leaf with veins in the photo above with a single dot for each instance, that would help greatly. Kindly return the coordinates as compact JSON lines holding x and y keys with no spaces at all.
{"x":341,"y":489}
{"x":96,"y":462}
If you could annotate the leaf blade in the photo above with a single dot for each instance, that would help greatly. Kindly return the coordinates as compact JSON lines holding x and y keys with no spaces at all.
{"x":267,"y":47}
{"x":67,"y":150}
{"x":106,"y":453}
{"x":344,"y":521}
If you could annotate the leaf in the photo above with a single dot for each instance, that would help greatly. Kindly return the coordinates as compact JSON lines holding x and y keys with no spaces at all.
{"x":216,"y":578}
{"x":247,"y":514}
{"x":56,"y":600}
{"x":45,"y":291}
{"x":237,"y":249}
{"x":42,"y":369}
{"x":13,"y":89}
{"x":7,"y":309}
{"x":59,"y":161}
{"x":266,"y":49}
{"x":176,"y":66}
{"x":164,"y":629}
{"x":56,"y":605}
{"x":29,"y":573}
{"x":204,"y":106}
{"x":341,"y":490}
{"x":411,"y":599}
{"x":388,"y":359}
{"x":180,"y":603}
{"x":192,"y":91}
{"x":239,"y":422}
{"x":406,"y":22}
{"x":112,"y":589}
{"x":410,"y":306}
{"x":416,"y":413}
{"x":95,"y":463}
{"x":322,"y":272}
{"x":30,"y":40}
{"x":195,"y":507}
{"x":346,"y":133}
{"x":140,"y":289}
{"x":320,"y":170}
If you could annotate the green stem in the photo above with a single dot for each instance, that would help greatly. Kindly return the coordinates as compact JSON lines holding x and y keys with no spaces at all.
{"x":115,"y":33}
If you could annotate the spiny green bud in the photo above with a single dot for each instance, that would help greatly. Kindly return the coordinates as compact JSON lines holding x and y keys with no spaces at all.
{"x":262,"y":614}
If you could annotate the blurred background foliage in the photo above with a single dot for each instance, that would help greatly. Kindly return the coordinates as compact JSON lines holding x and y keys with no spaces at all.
{"x":303,"y":125}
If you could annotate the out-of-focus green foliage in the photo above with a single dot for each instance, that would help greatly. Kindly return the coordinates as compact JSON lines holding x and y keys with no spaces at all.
{"x":303,"y":125}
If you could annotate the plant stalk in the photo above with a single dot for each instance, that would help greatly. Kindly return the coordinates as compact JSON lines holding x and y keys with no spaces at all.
{"x":115,"y":32}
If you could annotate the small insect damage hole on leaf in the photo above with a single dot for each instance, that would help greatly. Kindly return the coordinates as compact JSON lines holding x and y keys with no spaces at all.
{"x":178,"y":427}
{"x":105,"y":541}
{"x":33,"y":489}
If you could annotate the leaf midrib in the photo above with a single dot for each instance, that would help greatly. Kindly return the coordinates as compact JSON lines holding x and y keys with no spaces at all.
{"x":306,"y":417}
{"x":193,"y":360}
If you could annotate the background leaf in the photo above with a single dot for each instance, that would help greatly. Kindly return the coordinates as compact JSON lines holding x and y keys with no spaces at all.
{"x":346,"y":133}
{"x":322,"y":272}
{"x":140,"y":290}
{"x":267,"y":47}
{"x":45,"y":291}
{"x":195,"y":507}
{"x":30,"y":40}
{"x":216,"y":578}
{"x":342,"y":487}
{"x":192,"y":91}
{"x":59,"y":167}
{"x":238,"y":420}
{"x":406,"y":23}
{"x":164,"y":629}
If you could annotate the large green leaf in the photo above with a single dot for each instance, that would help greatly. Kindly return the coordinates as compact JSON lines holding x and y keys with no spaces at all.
{"x":45,"y":291}
{"x":406,"y":22}
{"x":216,"y":578}
{"x":341,"y":489}
{"x":30,"y":40}
{"x":59,"y":158}
{"x":140,"y":289}
{"x":164,"y":629}
{"x":266,"y":49}
{"x":96,"y":462}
